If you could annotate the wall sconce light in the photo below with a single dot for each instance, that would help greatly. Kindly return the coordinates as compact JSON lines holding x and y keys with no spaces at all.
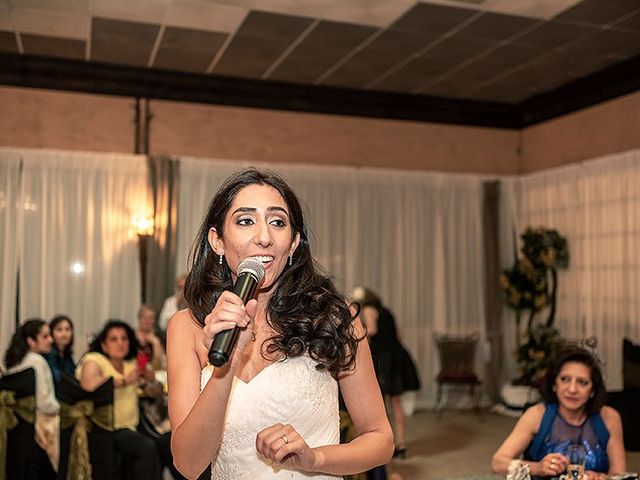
{"x":144,"y":229}
{"x":144,"y":226}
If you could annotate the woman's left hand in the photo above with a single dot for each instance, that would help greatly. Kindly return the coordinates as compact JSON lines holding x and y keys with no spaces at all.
{"x":283,"y":445}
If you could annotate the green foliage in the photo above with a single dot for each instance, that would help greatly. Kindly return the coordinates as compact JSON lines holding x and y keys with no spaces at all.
{"x":530,"y":285}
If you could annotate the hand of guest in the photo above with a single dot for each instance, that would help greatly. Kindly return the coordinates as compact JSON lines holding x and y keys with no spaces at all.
{"x":283,"y":445}
{"x":551,"y":465}
{"x":229,"y":312}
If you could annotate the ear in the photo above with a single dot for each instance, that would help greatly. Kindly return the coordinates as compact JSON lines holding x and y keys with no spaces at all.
{"x":31,"y":343}
{"x":215,"y":241}
{"x":294,"y":243}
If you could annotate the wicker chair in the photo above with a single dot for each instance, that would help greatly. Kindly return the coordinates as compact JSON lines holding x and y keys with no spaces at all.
{"x":457,"y":358}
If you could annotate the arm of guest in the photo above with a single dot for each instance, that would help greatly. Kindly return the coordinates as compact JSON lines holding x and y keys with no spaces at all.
{"x":518,"y":440}
{"x":615,"y":447}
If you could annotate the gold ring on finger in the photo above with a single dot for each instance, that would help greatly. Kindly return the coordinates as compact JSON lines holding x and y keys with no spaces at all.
{"x":285,"y":439}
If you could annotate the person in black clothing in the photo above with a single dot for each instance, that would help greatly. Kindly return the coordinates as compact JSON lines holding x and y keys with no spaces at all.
{"x":395,"y":370}
{"x":60,"y":358}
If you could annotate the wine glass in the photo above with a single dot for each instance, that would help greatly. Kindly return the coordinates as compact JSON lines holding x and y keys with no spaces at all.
{"x":576,"y":455}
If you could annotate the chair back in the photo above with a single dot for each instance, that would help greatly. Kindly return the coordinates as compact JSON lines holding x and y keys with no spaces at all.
{"x":457,"y":357}
{"x":17,"y":415}
{"x":86,"y":424}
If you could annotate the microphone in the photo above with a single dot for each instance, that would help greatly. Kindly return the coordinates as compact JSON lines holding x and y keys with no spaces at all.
{"x":250,"y":273}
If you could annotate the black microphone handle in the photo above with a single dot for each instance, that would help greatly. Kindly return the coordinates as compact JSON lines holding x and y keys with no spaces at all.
{"x":224,"y":342}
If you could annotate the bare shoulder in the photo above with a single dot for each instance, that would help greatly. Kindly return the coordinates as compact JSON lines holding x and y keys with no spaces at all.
{"x":533,"y":416}
{"x":610,"y":416}
{"x":184,"y":334}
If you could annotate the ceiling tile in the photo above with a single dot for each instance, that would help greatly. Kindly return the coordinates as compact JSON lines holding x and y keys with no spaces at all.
{"x":305,"y":8}
{"x":189,"y":50}
{"x":8,"y":42}
{"x":608,"y":43}
{"x":143,"y":11}
{"x":60,"y":6}
{"x":552,"y":34}
{"x":6,"y":22}
{"x":320,"y":50}
{"x":378,"y":13}
{"x":389,"y":49}
{"x":449,"y":87}
{"x":51,"y":24}
{"x":197,"y":16}
{"x":496,"y":26}
{"x":598,"y":12}
{"x":52,"y":46}
{"x":432,"y":19}
{"x":250,"y":57}
{"x":632,"y":22}
{"x":413,"y":75}
{"x":543,"y":9}
{"x":496,"y":63}
{"x":272,"y":25}
{"x":115,"y":41}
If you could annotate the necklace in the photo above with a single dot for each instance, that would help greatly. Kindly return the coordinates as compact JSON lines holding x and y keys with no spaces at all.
{"x":253,"y":336}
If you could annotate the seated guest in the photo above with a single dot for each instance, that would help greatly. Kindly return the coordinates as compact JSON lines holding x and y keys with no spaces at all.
{"x":173,"y":303}
{"x":150,"y":349}
{"x":113,"y":354}
{"x":573,"y":414}
{"x":60,"y":358}
{"x":28,"y":344}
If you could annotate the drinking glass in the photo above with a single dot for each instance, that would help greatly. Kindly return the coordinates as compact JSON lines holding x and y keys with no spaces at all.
{"x":576,"y":454}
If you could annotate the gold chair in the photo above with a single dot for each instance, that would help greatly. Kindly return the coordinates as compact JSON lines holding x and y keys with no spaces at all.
{"x":17,"y":415}
{"x":457,"y":357}
{"x":86,"y":425}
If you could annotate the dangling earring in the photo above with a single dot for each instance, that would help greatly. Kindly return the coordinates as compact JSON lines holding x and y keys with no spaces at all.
{"x":290,"y":260}
{"x":221,"y":258}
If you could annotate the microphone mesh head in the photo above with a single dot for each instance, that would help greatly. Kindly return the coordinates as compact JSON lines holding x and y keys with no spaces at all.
{"x":252,"y":266}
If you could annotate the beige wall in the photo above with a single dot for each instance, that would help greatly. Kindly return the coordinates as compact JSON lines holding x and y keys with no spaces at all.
{"x":75,"y":121}
{"x":609,"y":127}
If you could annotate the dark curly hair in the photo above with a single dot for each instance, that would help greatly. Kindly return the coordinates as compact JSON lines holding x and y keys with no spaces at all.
{"x":578,"y":355}
{"x":305,"y":311}
{"x":96,"y":344}
{"x":18,"y":347}
{"x":55,"y":321}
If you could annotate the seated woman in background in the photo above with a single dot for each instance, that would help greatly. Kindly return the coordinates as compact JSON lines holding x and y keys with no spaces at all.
{"x":60,"y":358}
{"x":573,"y":414}
{"x":150,"y":348}
{"x":28,"y":344}
{"x":113,"y":354}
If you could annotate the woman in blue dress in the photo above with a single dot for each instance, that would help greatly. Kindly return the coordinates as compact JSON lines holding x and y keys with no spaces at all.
{"x":60,"y":358}
{"x":573,"y":414}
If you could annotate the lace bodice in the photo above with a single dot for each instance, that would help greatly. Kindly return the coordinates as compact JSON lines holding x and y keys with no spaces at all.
{"x":291,"y":391}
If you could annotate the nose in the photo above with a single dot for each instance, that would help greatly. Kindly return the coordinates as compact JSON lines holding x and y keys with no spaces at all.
{"x":263,"y":234}
{"x":573,"y":386}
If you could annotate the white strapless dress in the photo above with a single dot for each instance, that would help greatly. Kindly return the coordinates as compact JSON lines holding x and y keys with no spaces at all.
{"x":290,"y":392}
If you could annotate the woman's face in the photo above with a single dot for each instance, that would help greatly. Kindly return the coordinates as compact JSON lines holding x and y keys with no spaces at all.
{"x":257,"y":225}
{"x":116,"y":343}
{"x":62,"y":334}
{"x":42,"y":342}
{"x":573,"y":385}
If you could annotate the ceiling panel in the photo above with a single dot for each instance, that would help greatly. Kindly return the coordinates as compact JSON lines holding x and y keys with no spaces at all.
{"x":115,"y":41}
{"x":8,"y":42}
{"x":54,"y":47}
{"x":188,"y":50}
{"x":383,"y":53}
{"x":496,"y":27}
{"x":505,"y":51}
{"x":599,"y":12}
{"x":323,"y":47}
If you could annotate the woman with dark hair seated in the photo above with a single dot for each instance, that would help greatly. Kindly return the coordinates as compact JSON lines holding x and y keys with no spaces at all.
{"x":573,"y":415}
{"x":113,"y":354}
{"x":31,"y":340}
{"x":60,"y":358}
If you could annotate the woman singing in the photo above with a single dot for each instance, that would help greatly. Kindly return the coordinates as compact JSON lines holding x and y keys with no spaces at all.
{"x":272,"y":411}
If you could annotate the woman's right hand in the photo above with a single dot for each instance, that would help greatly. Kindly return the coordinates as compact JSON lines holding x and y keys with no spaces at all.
{"x":229,"y":312}
{"x":551,"y":465}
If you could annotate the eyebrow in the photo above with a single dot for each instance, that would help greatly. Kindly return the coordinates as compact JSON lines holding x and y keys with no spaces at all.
{"x":253,"y":209}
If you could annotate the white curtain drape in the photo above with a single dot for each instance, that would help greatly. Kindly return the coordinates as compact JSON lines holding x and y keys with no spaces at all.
{"x":9,"y":242}
{"x":415,"y":238}
{"x":77,"y":246}
{"x":596,"y":206}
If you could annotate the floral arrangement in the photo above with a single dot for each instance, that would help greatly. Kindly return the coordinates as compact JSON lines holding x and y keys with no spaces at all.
{"x":531,"y":285}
